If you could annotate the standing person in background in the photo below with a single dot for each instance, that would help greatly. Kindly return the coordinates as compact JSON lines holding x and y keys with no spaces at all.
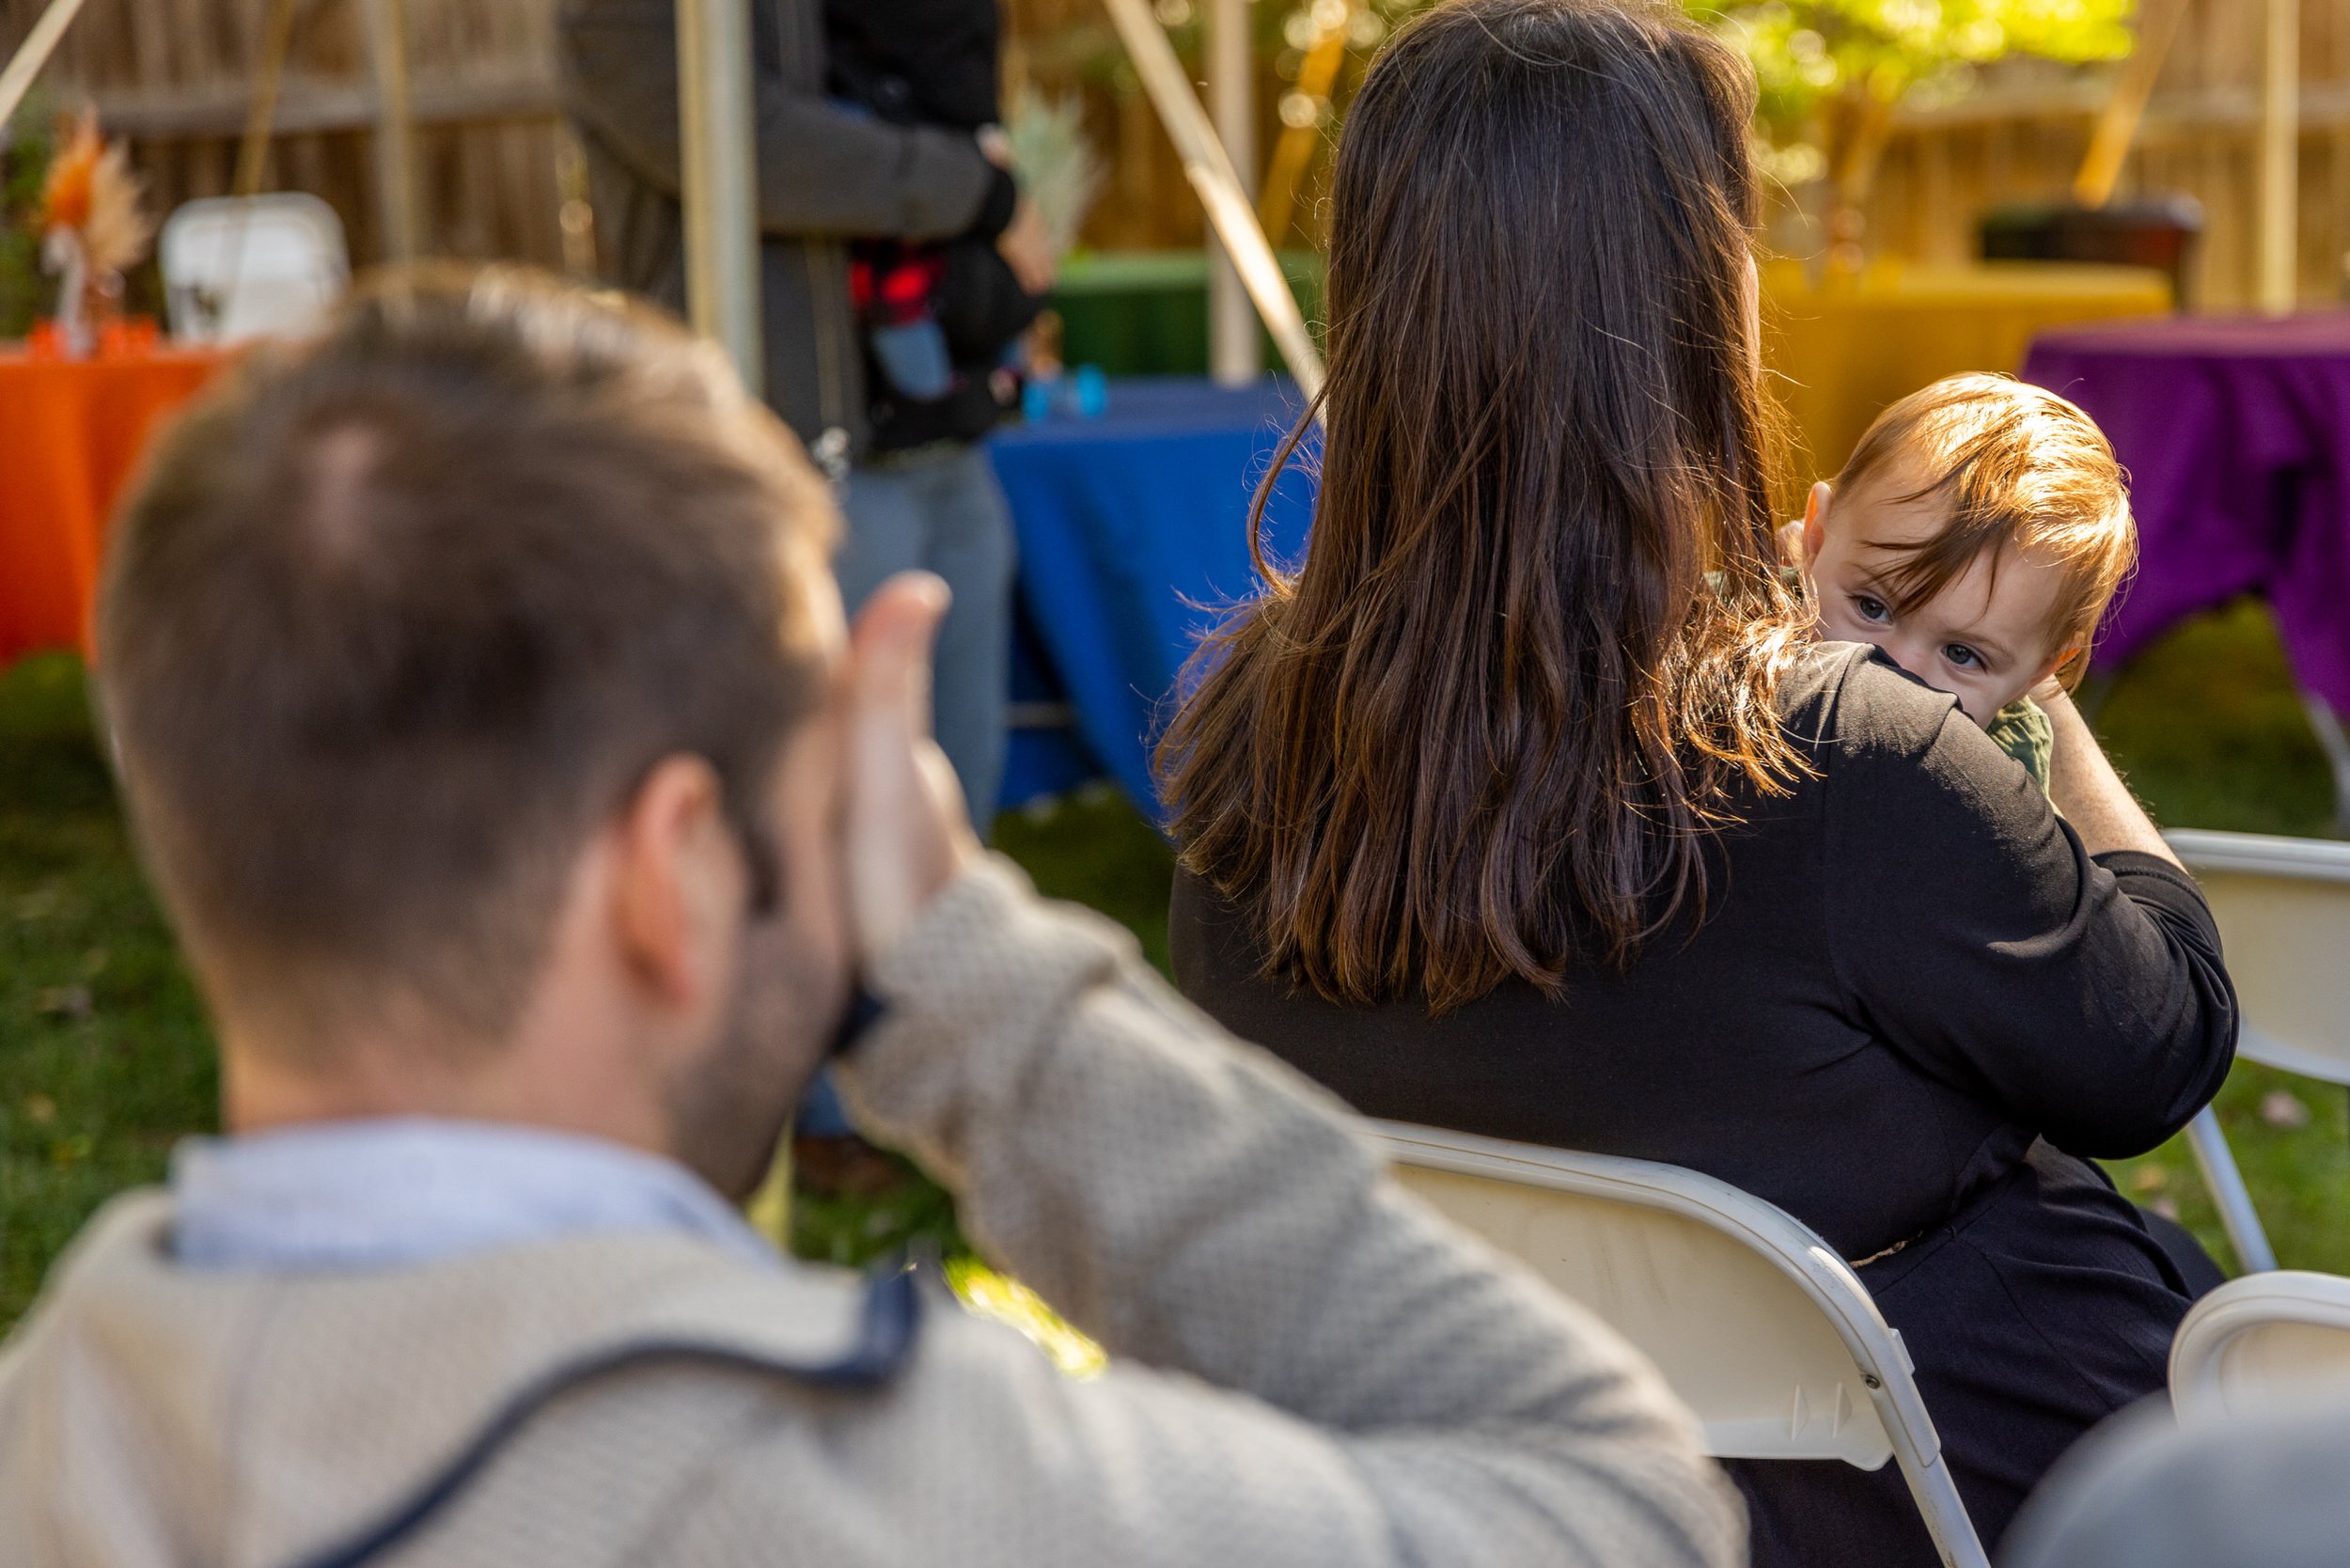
{"x":850,"y":169}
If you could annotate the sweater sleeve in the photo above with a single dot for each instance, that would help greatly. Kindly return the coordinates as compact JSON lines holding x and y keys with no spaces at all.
{"x":2258,"y":1491}
{"x":823,"y":171}
{"x":1972,"y":932}
{"x":1373,"y":1383}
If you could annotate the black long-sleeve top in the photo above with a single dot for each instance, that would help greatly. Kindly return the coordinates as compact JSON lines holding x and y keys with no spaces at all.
{"x":1915,"y":1001}
{"x":1910,"y":969}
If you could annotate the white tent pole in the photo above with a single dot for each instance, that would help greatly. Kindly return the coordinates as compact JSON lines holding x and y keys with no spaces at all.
{"x":2279,"y":154}
{"x":33,"y":53}
{"x":2117,"y":122}
{"x":1234,"y":355}
{"x":394,"y":128}
{"x":718,"y":150}
{"x":1229,"y":211}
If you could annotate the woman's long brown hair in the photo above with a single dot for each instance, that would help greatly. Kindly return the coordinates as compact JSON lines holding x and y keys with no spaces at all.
{"x":1488,"y":727}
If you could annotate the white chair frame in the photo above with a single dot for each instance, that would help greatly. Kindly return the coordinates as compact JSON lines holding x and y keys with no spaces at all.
{"x":2262,"y":1343}
{"x":2293,"y":981}
{"x":1889,"y":1419}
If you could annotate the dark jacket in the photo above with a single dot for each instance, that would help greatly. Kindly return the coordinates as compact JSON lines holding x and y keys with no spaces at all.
{"x":826,"y":175}
{"x":1913,"y":988}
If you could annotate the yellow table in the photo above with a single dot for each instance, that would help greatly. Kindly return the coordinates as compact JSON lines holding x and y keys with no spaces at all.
{"x":1842,"y":352}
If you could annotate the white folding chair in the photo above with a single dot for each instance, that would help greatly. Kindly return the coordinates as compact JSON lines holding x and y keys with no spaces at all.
{"x":1756,"y":1322}
{"x":2265,"y":1343}
{"x":236,"y":268}
{"x":2283,"y":910}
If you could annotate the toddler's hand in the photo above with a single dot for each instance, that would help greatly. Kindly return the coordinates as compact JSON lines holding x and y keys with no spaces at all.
{"x":2054,"y":699}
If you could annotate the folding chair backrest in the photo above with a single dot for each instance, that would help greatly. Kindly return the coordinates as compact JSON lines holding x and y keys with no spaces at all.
{"x":2283,"y":908}
{"x":262,"y":266}
{"x":1756,"y":1324}
{"x":2265,"y":1343}
{"x":1763,"y":1368}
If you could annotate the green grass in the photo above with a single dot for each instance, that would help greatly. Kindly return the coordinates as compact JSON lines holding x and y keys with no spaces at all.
{"x":1092,"y":848}
{"x":105,"y":1056}
{"x":2209,"y":730}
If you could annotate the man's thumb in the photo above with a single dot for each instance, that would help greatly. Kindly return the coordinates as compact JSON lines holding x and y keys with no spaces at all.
{"x":893,"y":637}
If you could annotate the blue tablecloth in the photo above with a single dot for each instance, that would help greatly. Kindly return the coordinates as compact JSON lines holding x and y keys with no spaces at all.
{"x":1133,"y":537}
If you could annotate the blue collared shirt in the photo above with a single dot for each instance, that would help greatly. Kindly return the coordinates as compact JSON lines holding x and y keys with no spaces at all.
{"x":382,"y":1193}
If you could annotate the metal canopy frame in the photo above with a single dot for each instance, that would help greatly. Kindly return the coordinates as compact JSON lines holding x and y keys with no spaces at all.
{"x":717,"y":152}
{"x":17,"y":78}
{"x":1234,"y":358}
{"x":2279,"y":158}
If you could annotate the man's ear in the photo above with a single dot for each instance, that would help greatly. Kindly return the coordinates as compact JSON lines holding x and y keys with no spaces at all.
{"x":678,"y":883}
{"x":1815,"y":521}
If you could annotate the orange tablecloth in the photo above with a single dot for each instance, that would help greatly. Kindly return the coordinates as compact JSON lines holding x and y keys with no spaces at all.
{"x":70,"y":435}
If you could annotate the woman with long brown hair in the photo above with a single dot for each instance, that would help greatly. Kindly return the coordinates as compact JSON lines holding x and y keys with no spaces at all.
{"x":1522,"y":806}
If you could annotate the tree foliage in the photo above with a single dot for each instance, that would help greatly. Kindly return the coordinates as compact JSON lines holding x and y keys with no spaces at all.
{"x":1806,"y":52}
{"x":1812,"y":54}
{"x":25,"y":147}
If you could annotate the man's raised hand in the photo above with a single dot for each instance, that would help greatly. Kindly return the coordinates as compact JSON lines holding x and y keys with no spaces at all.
{"x":908,"y":830}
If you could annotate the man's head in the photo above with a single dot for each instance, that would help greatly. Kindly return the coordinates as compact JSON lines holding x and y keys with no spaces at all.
{"x":469,"y":676}
{"x":1977,"y":534}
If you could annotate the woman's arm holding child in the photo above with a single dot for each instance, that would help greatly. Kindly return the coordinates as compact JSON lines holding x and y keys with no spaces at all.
{"x":2084,"y":786}
{"x":2065,"y":966}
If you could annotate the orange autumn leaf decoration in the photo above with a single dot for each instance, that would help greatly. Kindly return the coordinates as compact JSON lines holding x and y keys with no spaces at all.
{"x":91,"y":191}
{"x":65,"y":197}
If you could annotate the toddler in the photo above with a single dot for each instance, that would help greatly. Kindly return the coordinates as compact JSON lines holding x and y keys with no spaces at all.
{"x":1977,"y":535}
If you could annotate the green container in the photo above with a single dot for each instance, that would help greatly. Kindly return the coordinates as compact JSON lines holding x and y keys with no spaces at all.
{"x":1145,"y":312}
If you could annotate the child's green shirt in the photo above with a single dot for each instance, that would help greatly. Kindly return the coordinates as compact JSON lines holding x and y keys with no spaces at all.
{"x":2023,"y":732}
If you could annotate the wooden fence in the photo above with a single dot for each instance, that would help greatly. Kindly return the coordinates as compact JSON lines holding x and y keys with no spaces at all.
{"x":2020,"y":139}
{"x":495,"y":165}
{"x":176,"y":78}
{"x":1946,"y":166}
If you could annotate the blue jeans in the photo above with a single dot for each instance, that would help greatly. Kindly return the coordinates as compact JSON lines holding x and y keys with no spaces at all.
{"x":943,"y":511}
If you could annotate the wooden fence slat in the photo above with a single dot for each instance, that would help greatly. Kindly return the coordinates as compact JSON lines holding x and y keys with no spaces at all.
{"x":218,"y":109}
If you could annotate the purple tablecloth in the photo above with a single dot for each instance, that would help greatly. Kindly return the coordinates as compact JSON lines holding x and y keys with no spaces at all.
{"x":2236,"y":437}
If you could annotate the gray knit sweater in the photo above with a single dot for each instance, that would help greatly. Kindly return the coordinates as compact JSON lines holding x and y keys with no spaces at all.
{"x":1309,"y":1368}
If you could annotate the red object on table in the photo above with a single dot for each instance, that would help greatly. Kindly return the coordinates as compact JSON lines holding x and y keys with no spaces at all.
{"x":70,"y":434}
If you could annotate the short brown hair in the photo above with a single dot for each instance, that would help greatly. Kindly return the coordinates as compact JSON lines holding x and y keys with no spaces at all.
{"x":2024,"y":469}
{"x":394,"y":619}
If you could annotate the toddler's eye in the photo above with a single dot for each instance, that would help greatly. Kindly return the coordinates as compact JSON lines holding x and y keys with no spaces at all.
{"x":1870,"y":607}
{"x":1961,"y":656}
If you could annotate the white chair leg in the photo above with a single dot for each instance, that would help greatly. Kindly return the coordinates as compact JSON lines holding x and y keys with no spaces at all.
{"x":2226,"y":1182}
{"x":2328,"y":728}
{"x":1945,"y":1513}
